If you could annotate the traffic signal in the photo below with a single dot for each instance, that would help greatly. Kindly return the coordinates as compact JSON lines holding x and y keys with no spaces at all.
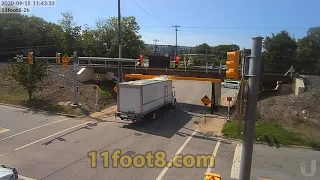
{"x":177,"y":62}
{"x":65,"y":60}
{"x":31,"y":57}
{"x":58,"y":58}
{"x":140,"y":60}
{"x":233,"y":65}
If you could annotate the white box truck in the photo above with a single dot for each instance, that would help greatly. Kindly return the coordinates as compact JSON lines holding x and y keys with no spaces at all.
{"x":141,"y":99}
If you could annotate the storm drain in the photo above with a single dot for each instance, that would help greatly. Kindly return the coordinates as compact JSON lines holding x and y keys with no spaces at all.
{"x":138,"y":134}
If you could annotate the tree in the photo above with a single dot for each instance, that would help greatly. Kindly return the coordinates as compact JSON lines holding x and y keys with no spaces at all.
{"x":28,"y":75}
{"x":220,"y":52}
{"x":72,"y":35}
{"x":308,"y":52}
{"x":203,"y":49}
{"x":280,"y":52}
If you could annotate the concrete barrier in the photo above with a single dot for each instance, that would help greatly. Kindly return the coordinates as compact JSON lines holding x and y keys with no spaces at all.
{"x":85,"y":74}
{"x":298,"y":86}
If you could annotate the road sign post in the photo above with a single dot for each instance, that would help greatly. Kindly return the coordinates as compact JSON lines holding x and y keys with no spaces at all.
{"x":206,"y":101}
{"x":229,"y":99}
{"x":251,"y":109}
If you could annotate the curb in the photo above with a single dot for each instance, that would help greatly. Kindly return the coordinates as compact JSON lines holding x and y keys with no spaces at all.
{"x":264,"y":143}
{"x":38,"y":110}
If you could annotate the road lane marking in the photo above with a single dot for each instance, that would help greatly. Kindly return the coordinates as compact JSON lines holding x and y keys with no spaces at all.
{"x":24,"y":146}
{"x":178,"y":152}
{"x":214,"y":154}
{"x":2,"y":154}
{"x":34,"y":128}
{"x":235,"y":170}
{"x":24,"y":177}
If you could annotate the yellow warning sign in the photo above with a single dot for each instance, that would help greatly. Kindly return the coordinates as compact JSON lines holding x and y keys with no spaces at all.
{"x":65,"y":58}
{"x":206,"y":100}
{"x":115,"y":88}
{"x":212,"y":176}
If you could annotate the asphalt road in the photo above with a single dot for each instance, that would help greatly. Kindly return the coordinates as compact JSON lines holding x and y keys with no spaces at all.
{"x":56,"y":148}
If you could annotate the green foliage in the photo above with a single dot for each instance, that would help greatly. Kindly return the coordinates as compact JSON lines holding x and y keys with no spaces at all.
{"x":20,"y":34}
{"x":220,"y":52}
{"x":280,"y":51}
{"x":28,"y":75}
{"x":271,"y":133}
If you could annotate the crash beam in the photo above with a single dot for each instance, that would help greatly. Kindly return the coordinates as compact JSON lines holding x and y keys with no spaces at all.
{"x":141,"y":76}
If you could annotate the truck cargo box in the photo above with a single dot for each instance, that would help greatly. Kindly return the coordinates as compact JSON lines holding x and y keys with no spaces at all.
{"x":138,"y":98}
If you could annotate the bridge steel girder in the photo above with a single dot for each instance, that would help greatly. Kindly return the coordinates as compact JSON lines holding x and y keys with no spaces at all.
{"x":200,"y":73}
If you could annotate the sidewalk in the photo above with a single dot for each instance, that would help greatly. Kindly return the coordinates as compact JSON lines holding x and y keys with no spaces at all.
{"x":105,"y":112}
{"x":212,"y":124}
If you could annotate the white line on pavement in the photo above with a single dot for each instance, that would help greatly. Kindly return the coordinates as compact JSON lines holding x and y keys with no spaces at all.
{"x":214,"y":154}
{"x":235,"y":169}
{"x":178,"y":152}
{"x":2,"y":154}
{"x":51,"y":136}
{"x":25,"y":178}
{"x":34,"y":129}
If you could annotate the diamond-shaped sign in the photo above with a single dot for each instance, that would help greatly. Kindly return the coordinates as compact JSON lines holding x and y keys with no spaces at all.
{"x":206,"y":100}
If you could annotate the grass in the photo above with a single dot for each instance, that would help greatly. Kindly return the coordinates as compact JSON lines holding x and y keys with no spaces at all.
{"x":12,"y":93}
{"x":273,"y":134}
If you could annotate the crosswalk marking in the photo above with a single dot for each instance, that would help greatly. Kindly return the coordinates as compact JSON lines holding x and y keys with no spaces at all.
{"x":235,"y":170}
{"x":214,"y":154}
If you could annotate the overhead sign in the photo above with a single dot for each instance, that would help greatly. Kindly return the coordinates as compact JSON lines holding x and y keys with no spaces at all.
{"x":115,"y":89}
{"x":206,"y":100}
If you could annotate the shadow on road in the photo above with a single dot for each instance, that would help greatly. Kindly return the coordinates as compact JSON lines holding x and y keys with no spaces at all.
{"x":167,"y":123}
{"x":88,"y":126}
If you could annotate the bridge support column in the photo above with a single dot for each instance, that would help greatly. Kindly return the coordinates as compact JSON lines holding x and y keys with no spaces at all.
{"x":215,"y":96}
{"x":217,"y":90}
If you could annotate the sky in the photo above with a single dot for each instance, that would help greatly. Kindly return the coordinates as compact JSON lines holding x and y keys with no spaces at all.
{"x":201,"y":21}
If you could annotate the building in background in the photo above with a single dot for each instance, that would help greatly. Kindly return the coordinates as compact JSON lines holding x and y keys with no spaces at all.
{"x":168,"y":49}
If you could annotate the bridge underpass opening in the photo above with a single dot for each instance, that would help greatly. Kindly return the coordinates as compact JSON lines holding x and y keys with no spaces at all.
{"x":190,"y":90}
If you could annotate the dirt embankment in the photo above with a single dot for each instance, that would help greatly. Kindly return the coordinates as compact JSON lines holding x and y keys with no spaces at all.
{"x":58,"y":87}
{"x":290,"y":110}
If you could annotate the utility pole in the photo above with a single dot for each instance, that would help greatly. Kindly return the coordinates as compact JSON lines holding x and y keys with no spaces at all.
{"x":176,"y":49}
{"x":251,"y":110}
{"x":155,"y":45}
{"x":119,"y":42}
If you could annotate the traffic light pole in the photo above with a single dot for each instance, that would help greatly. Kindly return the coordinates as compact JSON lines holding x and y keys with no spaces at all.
{"x":251,"y":110}
{"x":119,"y":42}
{"x":75,"y":79}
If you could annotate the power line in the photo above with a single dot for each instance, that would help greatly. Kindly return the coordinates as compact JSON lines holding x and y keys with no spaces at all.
{"x":147,"y":12}
{"x":169,"y":43}
{"x":152,"y":10}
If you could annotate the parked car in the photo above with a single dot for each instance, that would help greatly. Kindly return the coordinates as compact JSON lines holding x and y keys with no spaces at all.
{"x":7,"y":173}
{"x":231,"y":84}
